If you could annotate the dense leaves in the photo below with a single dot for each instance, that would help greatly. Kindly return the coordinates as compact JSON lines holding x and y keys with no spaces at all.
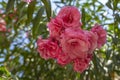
{"x":19,"y":58}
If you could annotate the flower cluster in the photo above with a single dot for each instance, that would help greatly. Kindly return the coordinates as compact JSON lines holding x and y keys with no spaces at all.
{"x":68,"y":43}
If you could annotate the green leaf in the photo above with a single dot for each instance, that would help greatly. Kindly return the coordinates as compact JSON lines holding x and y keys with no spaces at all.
{"x":62,"y":1}
{"x":99,"y":8}
{"x":30,"y":11}
{"x":117,"y":17}
{"x":47,"y":5}
{"x":83,"y":16}
{"x":115,"y":3}
{"x":36,"y":20}
{"x":77,"y":3}
{"x":10,"y":5}
{"x":3,"y":70}
{"x":108,"y":4}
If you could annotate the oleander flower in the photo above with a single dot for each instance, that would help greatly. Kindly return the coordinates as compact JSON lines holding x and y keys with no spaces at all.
{"x":75,"y":43}
{"x":55,"y":27}
{"x":63,"y":59}
{"x":2,"y":25}
{"x":48,"y":48}
{"x":101,"y":33}
{"x":70,"y":16}
{"x":82,"y":64}
{"x":92,"y":38}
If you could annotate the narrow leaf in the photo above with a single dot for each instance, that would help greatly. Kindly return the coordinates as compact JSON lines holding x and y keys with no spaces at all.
{"x":10,"y":5}
{"x":108,"y":4}
{"x":83,"y":16}
{"x":36,"y":20}
{"x":47,"y":5}
{"x":30,"y":11}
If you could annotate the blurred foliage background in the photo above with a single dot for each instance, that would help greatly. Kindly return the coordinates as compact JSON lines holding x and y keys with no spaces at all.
{"x":19,"y":59}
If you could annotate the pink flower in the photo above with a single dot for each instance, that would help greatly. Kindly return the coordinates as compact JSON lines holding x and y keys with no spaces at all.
{"x":92,"y":38}
{"x":75,"y":43}
{"x":2,"y":25}
{"x":55,"y":27}
{"x":63,"y":59}
{"x":48,"y":48}
{"x":28,"y":1}
{"x":101,"y":33}
{"x":70,"y":16}
{"x":82,"y":64}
